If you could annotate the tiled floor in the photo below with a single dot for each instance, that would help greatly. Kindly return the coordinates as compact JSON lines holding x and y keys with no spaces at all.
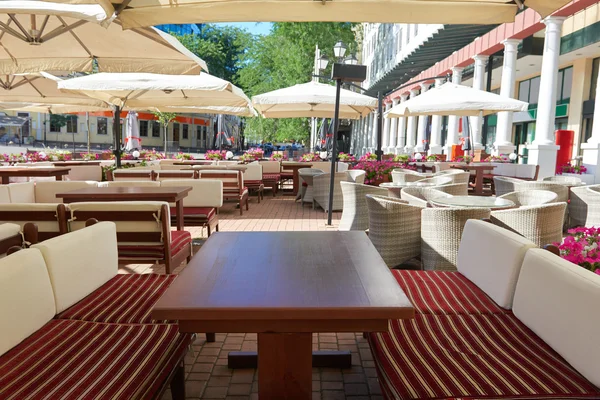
{"x":207,"y":374}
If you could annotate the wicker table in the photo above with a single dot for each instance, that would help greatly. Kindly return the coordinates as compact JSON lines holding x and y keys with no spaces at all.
{"x":395,"y":188}
{"x":284,"y":286}
{"x":494,"y":203}
{"x":307,"y":175}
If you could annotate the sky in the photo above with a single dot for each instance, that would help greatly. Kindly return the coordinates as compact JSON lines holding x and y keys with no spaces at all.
{"x":257,"y":28}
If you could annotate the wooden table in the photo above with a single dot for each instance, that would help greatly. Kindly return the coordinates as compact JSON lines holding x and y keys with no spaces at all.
{"x":173,"y":194}
{"x":295,"y":166}
{"x":75,"y":163}
{"x":57,"y":173}
{"x":479,"y":172}
{"x":285,"y":286}
{"x":494,"y":203}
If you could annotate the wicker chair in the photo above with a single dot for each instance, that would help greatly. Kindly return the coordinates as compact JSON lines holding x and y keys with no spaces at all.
{"x":565,"y":180}
{"x":438,"y":180}
{"x":504,"y":185}
{"x":355,"y":215}
{"x":441,"y":231}
{"x":562,"y":191}
{"x":321,"y":191}
{"x":579,"y":204}
{"x":420,"y":196}
{"x":455,"y":189}
{"x":356,"y":175}
{"x":541,"y":224}
{"x":457,"y":177}
{"x":394,"y":229}
{"x":593,"y":215}
{"x":530,"y":197}
{"x":406,"y":175}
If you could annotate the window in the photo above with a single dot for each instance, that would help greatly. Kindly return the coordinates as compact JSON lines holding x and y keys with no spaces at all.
{"x":175,"y":132}
{"x":565,"y":82}
{"x":72,"y":124}
{"x":198,"y":133}
{"x":102,"y":126}
{"x":524,"y":91}
{"x":144,"y":128}
{"x":155,"y":129}
{"x":595,"y":74}
{"x":529,"y":90}
{"x":184,"y":131}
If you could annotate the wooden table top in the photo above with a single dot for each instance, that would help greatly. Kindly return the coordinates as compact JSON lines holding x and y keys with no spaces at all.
{"x":127,"y":193}
{"x":273,"y":276}
{"x":296,"y":164}
{"x":75,"y":163}
{"x":472,"y":166}
{"x":37,"y":171}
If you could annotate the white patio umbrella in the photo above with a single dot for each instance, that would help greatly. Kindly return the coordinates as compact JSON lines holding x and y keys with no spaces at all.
{"x":135,"y":13}
{"x":453,"y":99}
{"x":312,"y":99}
{"x":132,"y":139}
{"x":49,"y":36}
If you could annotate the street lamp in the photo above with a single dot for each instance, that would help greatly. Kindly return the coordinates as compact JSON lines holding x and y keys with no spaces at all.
{"x":351,"y":60}
{"x":323,"y":62}
{"x":339,"y":50}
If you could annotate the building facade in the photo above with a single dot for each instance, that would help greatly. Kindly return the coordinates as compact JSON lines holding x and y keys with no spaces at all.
{"x":552,"y":64}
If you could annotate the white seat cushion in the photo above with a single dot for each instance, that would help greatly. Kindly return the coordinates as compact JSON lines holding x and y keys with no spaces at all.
{"x":22,"y":192}
{"x":45,"y":192}
{"x":8,"y":230}
{"x":4,"y":194}
{"x":26,"y":297}
{"x":80,"y":262}
{"x":559,"y":300}
{"x":491,"y":257}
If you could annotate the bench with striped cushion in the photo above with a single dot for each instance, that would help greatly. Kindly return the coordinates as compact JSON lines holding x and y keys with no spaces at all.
{"x":233,"y":185}
{"x":69,"y":359}
{"x":474,"y":356}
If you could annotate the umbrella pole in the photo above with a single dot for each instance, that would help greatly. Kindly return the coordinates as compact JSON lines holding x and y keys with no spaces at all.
{"x":87,"y":124}
{"x":336,"y":116}
{"x":378,"y":152}
{"x":117,"y":133}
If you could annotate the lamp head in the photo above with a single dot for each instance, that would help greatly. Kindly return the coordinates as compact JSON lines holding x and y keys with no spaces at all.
{"x":339,"y":50}
{"x":512,"y":156}
{"x":418,"y":156}
{"x":136,"y":154}
{"x":229,"y":155}
{"x":323,"y":62}
{"x":351,"y":60}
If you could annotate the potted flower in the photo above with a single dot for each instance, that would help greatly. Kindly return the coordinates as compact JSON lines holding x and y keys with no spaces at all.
{"x":502,"y":158}
{"x":402,"y":158}
{"x":215,"y":155}
{"x":151,"y":155}
{"x":89,"y":156}
{"x":581,"y":247}
{"x":183,"y":156}
{"x":278,"y":157}
{"x":436,"y":157}
{"x":346,"y":157}
{"x":571,"y":169}
{"x":467,"y":159}
{"x":368,"y":156}
{"x":309,"y":157}
{"x":378,"y":172}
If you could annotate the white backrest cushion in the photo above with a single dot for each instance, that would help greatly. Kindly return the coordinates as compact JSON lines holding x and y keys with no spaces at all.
{"x":342,"y":166}
{"x":525,"y":170}
{"x":22,"y":192}
{"x":558,"y":301}
{"x":164,"y":175}
{"x":253,"y":172}
{"x":324,"y":166}
{"x":80,"y":262}
{"x":204,"y":193}
{"x":271,"y":167}
{"x":21,"y":208}
{"x":491,"y":257}
{"x":45,"y":192}
{"x":8,"y":230}
{"x":85,"y":173}
{"x":131,"y":184}
{"x":4,"y":194}
{"x":26,"y":297}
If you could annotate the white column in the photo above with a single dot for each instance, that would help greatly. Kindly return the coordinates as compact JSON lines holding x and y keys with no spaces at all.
{"x":543,"y":150}
{"x":373,"y":145}
{"x":478,"y":83}
{"x":503,"y":143}
{"x":368,"y":130}
{"x":591,"y":149}
{"x":385,"y":137}
{"x":393,"y":130}
{"x":452,"y":137}
{"x":401,"y":129}
{"x":411,"y":129}
{"x":422,"y":128}
{"x":435,"y":147}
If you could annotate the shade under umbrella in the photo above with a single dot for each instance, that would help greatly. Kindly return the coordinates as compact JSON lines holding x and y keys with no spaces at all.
{"x":155,"y":12}
{"x":312,"y":99}
{"x":47,"y":36}
{"x":453,"y":99}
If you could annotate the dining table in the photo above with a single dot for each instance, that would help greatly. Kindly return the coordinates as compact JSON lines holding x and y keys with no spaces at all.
{"x":480,"y":170}
{"x":395,"y":188}
{"x":294,"y":166}
{"x":30,"y":172}
{"x":285,"y":286}
{"x":494,"y":203}
{"x":174,"y":194}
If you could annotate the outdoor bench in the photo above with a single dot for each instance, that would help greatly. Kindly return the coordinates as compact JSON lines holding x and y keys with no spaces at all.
{"x":514,"y":322}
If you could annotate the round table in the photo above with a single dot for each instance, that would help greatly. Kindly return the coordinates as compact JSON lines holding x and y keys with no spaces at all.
{"x":493,"y":203}
{"x":306,"y":192}
{"x":395,"y":188}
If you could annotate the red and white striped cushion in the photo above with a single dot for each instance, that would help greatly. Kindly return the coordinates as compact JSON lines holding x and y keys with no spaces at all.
{"x":157,"y":252}
{"x":125,"y":299}
{"x":478,"y":356}
{"x":71,"y":360}
{"x":271,"y":177}
{"x":444,"y":292}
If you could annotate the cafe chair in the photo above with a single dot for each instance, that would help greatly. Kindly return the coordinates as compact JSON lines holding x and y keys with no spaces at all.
{"x":355,"y":214}
{"x":131,"y":174}
{"x":129,"y":184}
{"x":253,"y":179}
{"x":455,"y":189}
{"x":530,"y":197}
{"x":175,"y":174}
{"x":321,"y":191}
{"x":505,"y":184}
{"x":437,"y":180}
{"x":51,"y":219}
{"x":565,"y":180}
{"x":421,"y":196}
{"x":356,"y":175}
{"x":441,"y":231}
{"x":233,"y":185}
{"x":394,"y":229}
{"x":583,"y":202}
{"x":271,"y":174}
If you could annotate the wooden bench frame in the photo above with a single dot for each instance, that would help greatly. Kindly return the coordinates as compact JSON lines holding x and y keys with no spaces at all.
{"x":240,"y":196}
{"x":59,"y":215}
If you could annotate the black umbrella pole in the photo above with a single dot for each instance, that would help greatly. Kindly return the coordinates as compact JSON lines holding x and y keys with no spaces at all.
{"x":378,"y":152}
{"x":117,"y":133}
{"x":336,"y":117}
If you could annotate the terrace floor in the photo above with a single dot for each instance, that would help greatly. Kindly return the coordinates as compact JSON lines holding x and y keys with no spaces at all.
{"x":207,"y":374}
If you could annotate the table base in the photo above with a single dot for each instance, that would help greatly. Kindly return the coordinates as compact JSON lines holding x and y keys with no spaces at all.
{"x":320,"y":359}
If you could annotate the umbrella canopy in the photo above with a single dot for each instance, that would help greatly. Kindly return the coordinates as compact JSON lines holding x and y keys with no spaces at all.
{"x":312,"y":99}
{"x":453,"y":99}
{"x":46,"y":36}
{"x":135,"y":13}
{"x":139,"y":90}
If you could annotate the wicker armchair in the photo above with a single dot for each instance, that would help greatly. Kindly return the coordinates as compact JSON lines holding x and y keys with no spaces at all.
{"x":593,"y":215}
{"x":457,"y":177}
{"x":406,"y":175}
{"x":562,"y":191}
{"x":541,"y":224}
{"x":455,"y":189}
{"x":321,"y":191}
{"x":441,"y":231}
{"x":565,"y":180}
{"x":579,"y":204}
{"x":394,"y":229}
{"x":420,"y":196}
{"x":530,"y":197}
{"x":504,"y":185}
{"x":355,"y":215}
{"x":356,"y":175}
{"x":438,"y":180}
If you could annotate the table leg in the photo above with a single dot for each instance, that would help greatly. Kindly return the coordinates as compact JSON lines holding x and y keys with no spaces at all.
{"x":5,"y":180}
{"x":478,"y":182}
{"x":179,"y":206}
{"x":285,"y":366}
{"x":296,"y":181}
{"x":59,"y":177}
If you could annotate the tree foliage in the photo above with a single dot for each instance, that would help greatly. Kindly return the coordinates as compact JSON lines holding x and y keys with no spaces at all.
{"x":58,"y":120}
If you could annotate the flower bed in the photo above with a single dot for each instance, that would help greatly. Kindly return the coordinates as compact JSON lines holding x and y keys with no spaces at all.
{"x":464,"y":158}
{"x":571,"y":169}
{"x":182,"y":156}
{"x":379,"y":171}
{"x":502,"y":158}
{"x":252,"y":154}
{"x":215,"y":155}
{"x":346,"y":157}
{"x":308,"y":157}
{"x":278,"y":157}
{"x":581,"y":247}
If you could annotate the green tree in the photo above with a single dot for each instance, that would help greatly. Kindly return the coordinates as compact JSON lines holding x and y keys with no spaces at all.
{"x":58,"y":121}
{"x":165,"y":118}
